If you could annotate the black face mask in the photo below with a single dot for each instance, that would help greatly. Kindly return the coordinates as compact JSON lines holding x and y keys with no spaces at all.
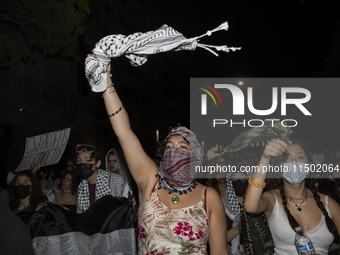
{"x":240,"y":187}
{"x":21,"y":191}
{"x":84,"y":170}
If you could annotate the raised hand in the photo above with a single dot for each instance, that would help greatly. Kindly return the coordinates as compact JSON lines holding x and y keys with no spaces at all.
{"x":275,"y":148}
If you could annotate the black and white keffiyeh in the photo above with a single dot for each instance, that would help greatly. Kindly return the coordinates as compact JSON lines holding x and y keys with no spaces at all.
{"x":120,"y":185}
{"x":83,"y":194}
{"x":232,"y":209}
{"x":136,"y":47}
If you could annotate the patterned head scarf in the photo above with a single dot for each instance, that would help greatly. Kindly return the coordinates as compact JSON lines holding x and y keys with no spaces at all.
{"x":177,"y":169}
{"x":116,"y":182}
{"x":232,"y":207}
{"x":138,"y":46}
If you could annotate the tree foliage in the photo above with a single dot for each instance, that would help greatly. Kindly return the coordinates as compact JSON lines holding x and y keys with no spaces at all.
{"x":51,"y":26}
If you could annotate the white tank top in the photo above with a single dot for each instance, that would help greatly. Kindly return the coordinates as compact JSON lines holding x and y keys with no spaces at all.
{"x":283,"y":235}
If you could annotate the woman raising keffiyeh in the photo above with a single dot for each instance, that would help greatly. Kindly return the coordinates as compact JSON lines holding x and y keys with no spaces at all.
{"x":176,"y":214}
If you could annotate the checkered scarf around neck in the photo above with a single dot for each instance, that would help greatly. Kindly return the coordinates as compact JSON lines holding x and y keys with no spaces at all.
{"x":116,"y":182}
{"x":138,"y":46}
{"x":83,"y":193}
{"x":177,"y":169}
{"x":232,"y":207}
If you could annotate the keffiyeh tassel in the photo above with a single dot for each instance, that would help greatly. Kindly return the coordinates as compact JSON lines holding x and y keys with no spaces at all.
{"x":136,"y":47}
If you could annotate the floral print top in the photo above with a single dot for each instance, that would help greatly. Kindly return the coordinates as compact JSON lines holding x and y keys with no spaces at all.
{"x":165,"y":231}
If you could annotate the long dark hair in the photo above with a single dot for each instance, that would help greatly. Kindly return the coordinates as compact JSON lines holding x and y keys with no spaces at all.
{"x":309,"y":183}
{"x":36,"y":191}
{"x":75,"y":181}
{"x":329,"y":187}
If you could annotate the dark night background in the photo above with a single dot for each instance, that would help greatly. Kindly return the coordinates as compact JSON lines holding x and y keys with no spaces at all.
{"x":278,"y":39}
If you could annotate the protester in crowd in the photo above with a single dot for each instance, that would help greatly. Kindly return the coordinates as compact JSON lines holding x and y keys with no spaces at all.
{"x":25,"y":193}
{"x":120,"y":180}
{"x":177,"y":214}
{"x":236,"y":185}
{"x":46,"y":176}
{"x":95,"y":181}
{"x":69,"y":166}
{"x":119,"y":177}
{"x":232,"y":186}
{"x":295,"y":203}
{"x":65,"y":193}
{"x":14,"y":234}
{"x":43,"y":175}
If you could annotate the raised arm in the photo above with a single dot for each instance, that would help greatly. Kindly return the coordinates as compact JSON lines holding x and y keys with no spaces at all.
{"x":140,"y":164}
{"x":255,"y":201}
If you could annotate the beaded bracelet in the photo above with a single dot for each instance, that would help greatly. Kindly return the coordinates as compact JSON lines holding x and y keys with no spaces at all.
{"x":115,"y":113}
{"x":256,"y":185}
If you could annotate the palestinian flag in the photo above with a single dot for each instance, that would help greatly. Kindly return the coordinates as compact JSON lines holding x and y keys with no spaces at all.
{"x":107,"y":227}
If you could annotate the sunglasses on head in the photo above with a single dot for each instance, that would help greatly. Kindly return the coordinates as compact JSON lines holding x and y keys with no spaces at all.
{"x":86,"y":148}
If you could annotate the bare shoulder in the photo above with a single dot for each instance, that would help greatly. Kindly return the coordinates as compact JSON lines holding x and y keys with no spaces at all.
{"x":212,"y":194}
{"x":331,"y":202}
{"x":269,"y":196}
{"x":214,"y":204}
{"x":270,"y":193}
{"x":333,"y":206}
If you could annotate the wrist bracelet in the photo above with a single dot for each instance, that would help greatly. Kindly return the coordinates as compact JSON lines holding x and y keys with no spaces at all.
{"x":256,"y":185}
{"x":115,"y":113}
{"x":112,"y":91}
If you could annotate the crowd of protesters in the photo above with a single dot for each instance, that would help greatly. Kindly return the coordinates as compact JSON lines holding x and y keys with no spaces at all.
{"x":84,"y":182}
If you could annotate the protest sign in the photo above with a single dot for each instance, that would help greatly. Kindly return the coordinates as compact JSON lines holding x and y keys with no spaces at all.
{"x":44,"y":150}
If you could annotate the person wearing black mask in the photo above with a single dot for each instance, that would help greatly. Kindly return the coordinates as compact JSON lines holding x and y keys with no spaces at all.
{"x":25,"y":193}
{"x":236,"y":186}
{"x":14,"y":234}
{"x":232,"y":186}
{"x":94,"y":184}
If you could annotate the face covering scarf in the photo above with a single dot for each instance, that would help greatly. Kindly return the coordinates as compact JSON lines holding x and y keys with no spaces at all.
{"x":177,"y":169}
{"x":136,"y":47}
